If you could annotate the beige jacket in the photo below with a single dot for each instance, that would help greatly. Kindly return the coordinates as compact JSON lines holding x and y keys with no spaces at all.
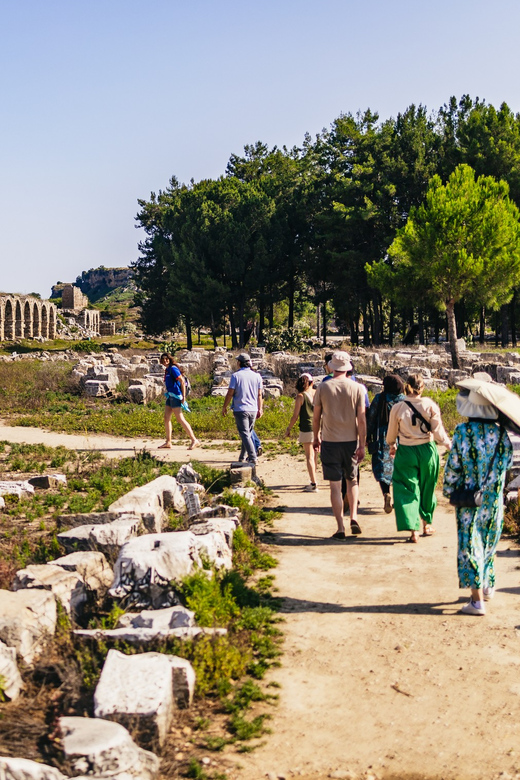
{"x":400,"y":424}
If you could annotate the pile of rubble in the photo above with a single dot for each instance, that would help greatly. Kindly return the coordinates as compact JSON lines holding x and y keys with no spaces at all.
{"x":143,"y":690}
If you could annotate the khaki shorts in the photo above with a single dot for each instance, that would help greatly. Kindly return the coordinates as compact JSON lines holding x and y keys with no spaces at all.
{"x":305,"y":437}
{"x":338,"y":459}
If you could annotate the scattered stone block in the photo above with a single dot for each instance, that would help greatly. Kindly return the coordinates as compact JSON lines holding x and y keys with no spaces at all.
{"x":91,"y":566}
{"x":21,"y":489}
{"x":46,"y":481}
{"x":27,"y":618}
{"x":11,"y":678}
{"x":24,"y":769}
{"x":85,"y":518}
{"x":107,"y":538}
{"x":158,"y":619}
{"x":97,"y":389}
{"x":225,"y":525}
{"x":248,"y":493}
{"x":240,"y":472}
{"x":137,"y":692}
{"x":187,"y":474}
{"x":144,"y":636}
{"x":93,"y":746}
{"x":147,"y":567}
{"x":213,"y":547}
{"x":67,"y":586}
{"x":150,"y":499}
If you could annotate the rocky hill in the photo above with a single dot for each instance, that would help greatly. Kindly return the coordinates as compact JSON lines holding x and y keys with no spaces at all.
{"x":98,"y":282}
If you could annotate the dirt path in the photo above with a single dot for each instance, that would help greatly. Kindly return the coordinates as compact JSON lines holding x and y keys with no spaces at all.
{"x":380,"y":674}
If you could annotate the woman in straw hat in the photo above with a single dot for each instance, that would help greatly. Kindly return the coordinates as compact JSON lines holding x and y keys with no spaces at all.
{"x":480,"y":456}
{"x":303,"y":409}
{"x":417,"y":423}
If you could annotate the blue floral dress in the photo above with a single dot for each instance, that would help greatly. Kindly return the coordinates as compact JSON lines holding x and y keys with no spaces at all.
{"x":477,"y":444}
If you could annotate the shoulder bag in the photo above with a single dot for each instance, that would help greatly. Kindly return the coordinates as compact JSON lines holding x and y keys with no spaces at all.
{"x":473,"y":497}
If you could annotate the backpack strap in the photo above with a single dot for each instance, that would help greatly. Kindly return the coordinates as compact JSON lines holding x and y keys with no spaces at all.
{"x":417,"y":415}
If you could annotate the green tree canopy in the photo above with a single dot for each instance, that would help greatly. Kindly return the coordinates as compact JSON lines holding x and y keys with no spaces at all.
{"x":463,"y":241}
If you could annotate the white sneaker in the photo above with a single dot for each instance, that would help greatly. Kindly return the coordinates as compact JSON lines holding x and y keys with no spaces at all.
{"x":471,"y":609}
{"x":489,"y":593}
{"x":311,"y":489}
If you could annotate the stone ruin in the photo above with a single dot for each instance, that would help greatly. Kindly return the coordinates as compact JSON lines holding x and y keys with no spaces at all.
{"x":27,"y":317}
{"x":142,"y":691}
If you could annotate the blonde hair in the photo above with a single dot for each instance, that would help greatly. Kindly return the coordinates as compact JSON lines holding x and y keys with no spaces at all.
{"x":414,"y":384}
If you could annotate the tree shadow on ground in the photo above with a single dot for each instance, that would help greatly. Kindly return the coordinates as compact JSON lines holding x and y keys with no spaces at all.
{"x":284,"y":539}
{"x":435,"y":609}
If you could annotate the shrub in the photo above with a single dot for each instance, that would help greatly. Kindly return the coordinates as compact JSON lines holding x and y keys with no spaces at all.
{"x":286,"y":339}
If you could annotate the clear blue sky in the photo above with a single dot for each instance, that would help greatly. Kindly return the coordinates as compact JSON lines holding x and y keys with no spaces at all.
{"x":104,"y":100}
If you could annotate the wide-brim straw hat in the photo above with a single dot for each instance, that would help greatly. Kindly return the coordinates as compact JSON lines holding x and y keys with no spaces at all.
{"x":340,"y":361}
{"x":504,"y":401}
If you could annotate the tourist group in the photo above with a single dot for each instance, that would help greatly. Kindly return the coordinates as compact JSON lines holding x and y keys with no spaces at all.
{"x":401,"y":429}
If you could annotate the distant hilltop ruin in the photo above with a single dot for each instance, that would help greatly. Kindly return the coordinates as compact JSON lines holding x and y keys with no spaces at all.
{"x":96,"y":282}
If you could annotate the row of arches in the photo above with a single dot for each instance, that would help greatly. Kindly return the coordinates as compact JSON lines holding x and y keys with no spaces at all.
{"x":25,"y":317}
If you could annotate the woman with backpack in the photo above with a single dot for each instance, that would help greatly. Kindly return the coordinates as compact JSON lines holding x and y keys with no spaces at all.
{"x":175,"y":401}
{"x":377,"y":426}
{"x":303,"y":410}
{"x":414,"y":427}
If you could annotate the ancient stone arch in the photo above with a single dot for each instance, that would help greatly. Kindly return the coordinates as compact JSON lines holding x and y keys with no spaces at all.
{"x":26,"y":317}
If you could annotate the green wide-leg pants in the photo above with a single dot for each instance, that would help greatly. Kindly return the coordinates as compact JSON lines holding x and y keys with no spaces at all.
{"x":416,"y":470}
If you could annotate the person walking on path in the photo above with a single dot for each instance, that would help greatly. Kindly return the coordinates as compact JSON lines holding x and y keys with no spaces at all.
{"x":175,"y":402}
{"x":339,"y":427}
{"x":480,"y":455}
{"x":245,"y":391}
{"x":417,"y":423}
{"x":377,"y":427}
{"x":303,"y":409}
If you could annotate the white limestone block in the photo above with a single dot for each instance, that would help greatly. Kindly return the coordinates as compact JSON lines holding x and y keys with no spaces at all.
{"x":150,"y":563}
{"x":103,"y":537}
{"x":151,"y":498}
{"x":11,"y":678}
{"x":101,"y":747}
{"x":214,"y":547}
{"x":136,"y":690}
{"x":159,"y":619}
{"x":27,"y":618}
{"x":20,"y":488}
{"x":67,"y":586}
{"x":91,"y":566}
{"x":140,"y":636}
{"x":24,"y":769}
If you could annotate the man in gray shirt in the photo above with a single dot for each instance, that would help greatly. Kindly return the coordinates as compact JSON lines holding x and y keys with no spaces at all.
{"x":245,"y":388}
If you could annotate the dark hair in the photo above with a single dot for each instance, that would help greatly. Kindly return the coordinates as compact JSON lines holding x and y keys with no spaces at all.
{"x":328,"y":357}
{"x":171,"y":360}
{"x":414,"y":384}
{"x":302,"y":383}
{"x":392,"y":383}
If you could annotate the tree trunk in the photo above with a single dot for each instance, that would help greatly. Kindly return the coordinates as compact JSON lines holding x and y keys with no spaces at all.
{"x":290,"y":318}
{"x":482,"y":326}
{"x":504,"y":329}
{"x":234,"y":344}
{"x":318,"y":330}
{"x":513,"y":319}
{"x":452,"y":334}
{"x":261,"y":315}
{"x":324,"y":322}
{"x":391,"y":325}
{"x":214,"y":332}
{"x":189,"y":342}
{"x":241,"y":324}
{"x":420,"y":318}
{"x":496,"y":330}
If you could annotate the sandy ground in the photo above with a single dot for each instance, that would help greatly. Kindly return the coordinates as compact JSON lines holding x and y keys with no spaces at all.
{"x":381,"y":675}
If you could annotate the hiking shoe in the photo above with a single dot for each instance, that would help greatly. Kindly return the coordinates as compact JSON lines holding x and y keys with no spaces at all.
{"x":388,"y":503}
{"x":310,"y":488}
{"x":338,"y":535}
{"x":489,"y":593}
{"x":471,"y":609}
{"x":260,"y":450}
{"x":355,"y":528}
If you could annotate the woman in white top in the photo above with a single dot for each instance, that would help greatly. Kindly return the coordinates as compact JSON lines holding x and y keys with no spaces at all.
{"x":416,"y":425}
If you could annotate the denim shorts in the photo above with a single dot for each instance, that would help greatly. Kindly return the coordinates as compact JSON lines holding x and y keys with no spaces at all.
{"x":338,"y":458}
{"x":175,"y":403}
